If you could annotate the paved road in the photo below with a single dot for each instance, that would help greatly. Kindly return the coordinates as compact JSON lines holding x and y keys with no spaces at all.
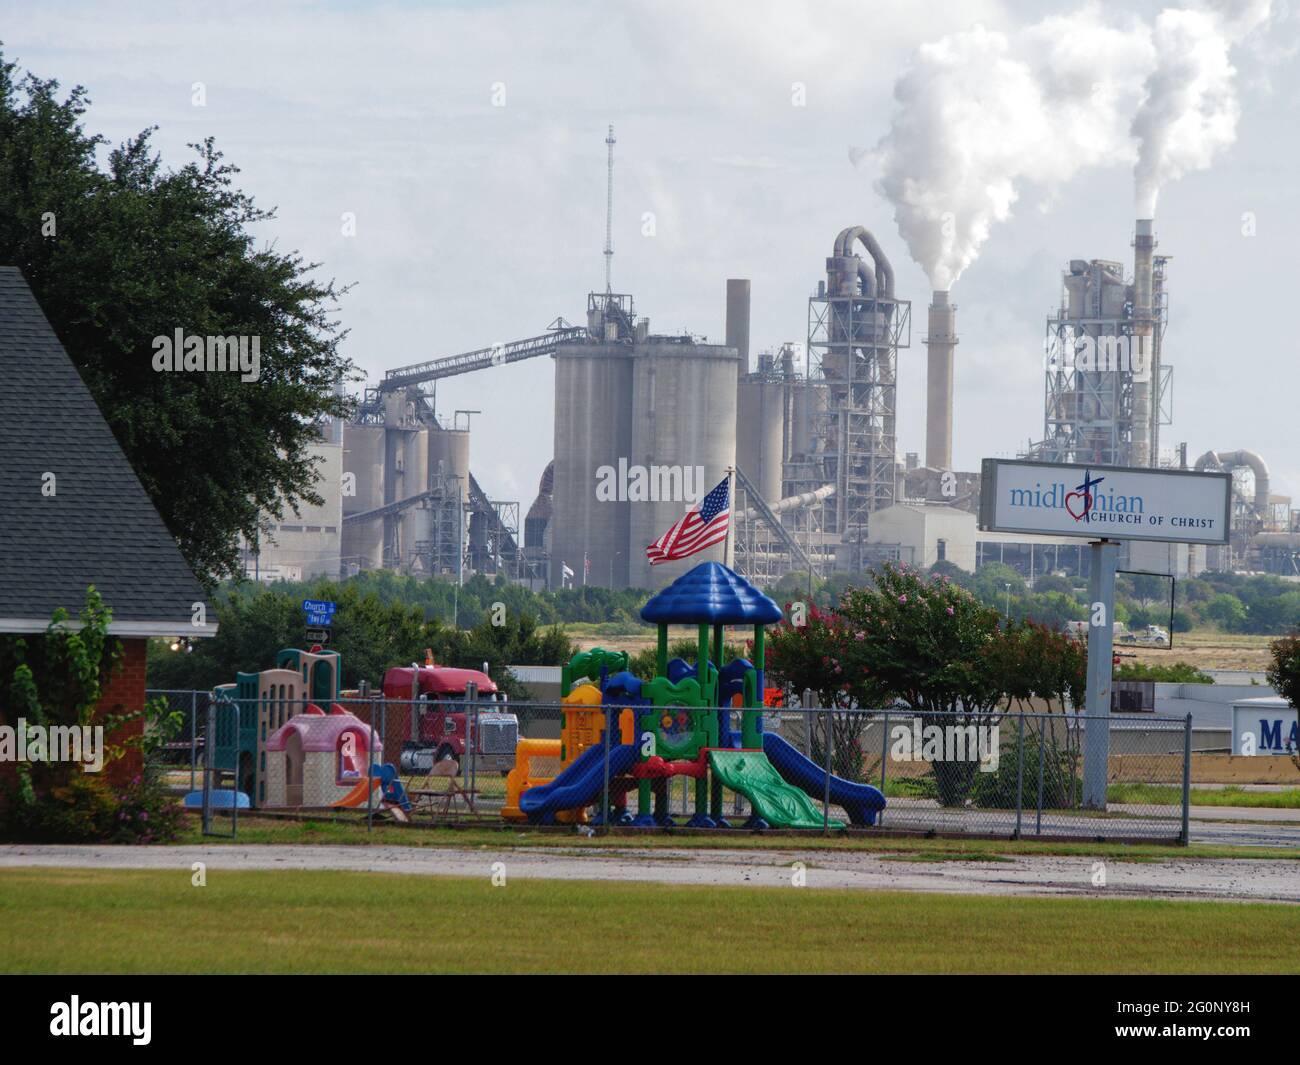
{"x":1237,"y":880}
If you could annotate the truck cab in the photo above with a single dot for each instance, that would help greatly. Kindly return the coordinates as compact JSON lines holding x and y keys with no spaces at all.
{"x":434,"y":717}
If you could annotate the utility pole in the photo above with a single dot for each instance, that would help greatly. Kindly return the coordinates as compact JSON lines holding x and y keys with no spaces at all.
{"x":460,"y":554}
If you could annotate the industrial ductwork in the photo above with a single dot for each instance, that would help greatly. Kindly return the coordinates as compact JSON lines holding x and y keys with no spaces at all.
{"x":804,"y":499}
{"x":884,"y":286}
{"x":1227,"y":460}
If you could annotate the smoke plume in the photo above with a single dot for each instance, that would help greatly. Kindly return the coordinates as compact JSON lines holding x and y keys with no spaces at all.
{"x":982,"y":115}
{"x":1190,"y":109}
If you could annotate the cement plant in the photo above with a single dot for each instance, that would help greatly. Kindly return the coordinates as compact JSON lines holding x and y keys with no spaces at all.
{"x":823,"y":482}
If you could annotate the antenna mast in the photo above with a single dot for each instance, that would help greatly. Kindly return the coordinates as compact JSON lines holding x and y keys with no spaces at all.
{"x":609,"y":209}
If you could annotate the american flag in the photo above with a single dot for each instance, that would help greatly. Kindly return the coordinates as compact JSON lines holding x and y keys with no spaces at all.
{"x":702,"y":527}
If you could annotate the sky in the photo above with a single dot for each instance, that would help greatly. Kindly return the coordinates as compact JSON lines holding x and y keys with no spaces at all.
{"x":467,"y":142}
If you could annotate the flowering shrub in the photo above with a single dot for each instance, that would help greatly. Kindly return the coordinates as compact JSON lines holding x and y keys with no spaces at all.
{"x":934,"y":646}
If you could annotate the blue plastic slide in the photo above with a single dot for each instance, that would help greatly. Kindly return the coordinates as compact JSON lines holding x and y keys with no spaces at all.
{"x":860,"y":801}
{"x":579,"y":785}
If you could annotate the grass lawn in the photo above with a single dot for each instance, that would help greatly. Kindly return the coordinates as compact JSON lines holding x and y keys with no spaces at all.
{"x":253,"y":830}
{"x":136,"y":921}
{"x":1157,"y":794}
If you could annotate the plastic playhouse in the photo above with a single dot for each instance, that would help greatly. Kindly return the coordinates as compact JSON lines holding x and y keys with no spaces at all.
{"x":681,"y":722}
{"x":284,"y":750}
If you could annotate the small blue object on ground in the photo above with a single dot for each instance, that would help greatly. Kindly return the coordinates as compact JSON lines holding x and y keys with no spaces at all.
{"x":222,"y":799}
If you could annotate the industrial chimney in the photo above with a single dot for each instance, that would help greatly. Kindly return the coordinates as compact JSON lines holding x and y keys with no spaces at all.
{"x":940,"y":340}
{"x":1144,"y":243}
{"x":738,"y":319}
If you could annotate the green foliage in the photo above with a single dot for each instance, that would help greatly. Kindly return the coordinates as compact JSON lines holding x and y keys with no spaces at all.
{"x":138,"y":251}
{"x":933,"y":645}
{"x":87,"y":809}
{"x":1284,"y":669}
{"x":72,"y":666}
{"x":644,"y":663}
{"x":58,"y":802}
{"x":1172,"y":673}
{"x":1226,"y":611}
{"x":374,"y":629}
{"x":998,"y":790}
{"x":1229,"y":602}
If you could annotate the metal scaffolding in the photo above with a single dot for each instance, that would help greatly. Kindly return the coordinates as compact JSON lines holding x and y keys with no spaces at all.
{"x":853,"y":344}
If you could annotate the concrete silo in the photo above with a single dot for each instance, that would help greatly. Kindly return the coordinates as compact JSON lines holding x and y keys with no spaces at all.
{"x":363,"y":459}
{"x":594,"y":414}
{"x":760,"y":431}
{"x":683,"y":438}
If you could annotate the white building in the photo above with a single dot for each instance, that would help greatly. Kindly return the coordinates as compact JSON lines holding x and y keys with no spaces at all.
{"x":307,"y":544}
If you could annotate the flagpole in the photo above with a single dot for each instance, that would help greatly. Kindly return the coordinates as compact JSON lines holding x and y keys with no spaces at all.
{"x":729,"y":545}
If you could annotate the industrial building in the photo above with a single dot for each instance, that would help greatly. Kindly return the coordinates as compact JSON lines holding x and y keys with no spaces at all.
{"x":1108,"y":391}
{"x":646,"y":424}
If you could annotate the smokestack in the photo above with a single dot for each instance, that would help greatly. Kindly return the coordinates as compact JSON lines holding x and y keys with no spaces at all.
{"x":1144,"y":243}
{"x":738,"y":319}
{"x":939,"y":342}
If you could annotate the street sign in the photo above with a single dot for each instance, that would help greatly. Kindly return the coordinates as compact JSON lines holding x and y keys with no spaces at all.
{"x":320,"y":612}
{"x":1105,"y":502}
{"x":320,"y":636}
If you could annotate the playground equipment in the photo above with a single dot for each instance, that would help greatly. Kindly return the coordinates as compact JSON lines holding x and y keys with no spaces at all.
{"x":679,"y":723}
{"x":284,"y":750}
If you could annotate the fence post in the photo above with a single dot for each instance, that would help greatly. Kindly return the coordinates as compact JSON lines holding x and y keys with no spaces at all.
{"x":234,"y":796}
{"x":1042,"y":727}
{"x":370,"y":777}
{"x":604,"y":787}
{"x":884,"y":761}
{"x":826,"y":793}
{"x":1020,"y":770}
{"x":806,"y":703}
{"x":207,"y":767}
{"x":194,"y":724}
{"x":1187,"y":780}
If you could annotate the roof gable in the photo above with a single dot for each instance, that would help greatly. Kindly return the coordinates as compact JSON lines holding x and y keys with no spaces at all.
{"x":99,"y":526}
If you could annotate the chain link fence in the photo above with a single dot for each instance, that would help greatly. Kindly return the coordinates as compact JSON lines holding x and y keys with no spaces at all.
{"x":460,"y":760}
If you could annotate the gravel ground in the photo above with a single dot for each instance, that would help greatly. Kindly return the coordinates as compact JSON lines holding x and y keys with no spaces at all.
{"x":1241,"y":880}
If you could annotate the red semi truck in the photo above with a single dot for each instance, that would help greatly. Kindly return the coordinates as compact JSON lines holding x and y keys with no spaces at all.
{"x":430,"y":704}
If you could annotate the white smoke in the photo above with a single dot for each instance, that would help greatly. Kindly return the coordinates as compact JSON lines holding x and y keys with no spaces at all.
{"x":1190,"y":110}
{"x":982,"y":115}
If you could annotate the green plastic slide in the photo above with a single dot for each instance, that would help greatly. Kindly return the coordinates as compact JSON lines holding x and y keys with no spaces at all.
{"x":775,"y":801}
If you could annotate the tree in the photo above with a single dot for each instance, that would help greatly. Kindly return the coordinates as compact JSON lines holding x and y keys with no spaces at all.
{"x":1284,"y":670}
{"x":1284,"y":673}
{"x":121,"y":256}
{"x":936,"y":647}
{"x":371,"y":633}
{"x":1226,"y":611}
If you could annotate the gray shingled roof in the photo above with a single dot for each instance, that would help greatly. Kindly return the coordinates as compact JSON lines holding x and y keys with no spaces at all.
{"x":100,"y":527}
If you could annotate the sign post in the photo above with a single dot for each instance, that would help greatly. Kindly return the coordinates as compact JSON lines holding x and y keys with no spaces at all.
{"x":1104,"y":556}
{"x":320,"y":618}
{"x":1104,"y":504}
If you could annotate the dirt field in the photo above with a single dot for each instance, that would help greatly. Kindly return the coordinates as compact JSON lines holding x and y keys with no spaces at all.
{"x":1209,"y":651}
{"x":1203,"y":650}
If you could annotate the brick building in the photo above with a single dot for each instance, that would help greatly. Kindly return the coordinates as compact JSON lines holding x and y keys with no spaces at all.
{"x":74,"y":514}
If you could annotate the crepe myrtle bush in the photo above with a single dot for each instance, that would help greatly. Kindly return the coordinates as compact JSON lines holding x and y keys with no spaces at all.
{"x":821,"y":656}
{"x":1284,"y":672}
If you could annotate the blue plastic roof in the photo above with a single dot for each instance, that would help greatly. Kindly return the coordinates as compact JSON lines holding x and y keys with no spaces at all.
{"x":711,"y":592}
